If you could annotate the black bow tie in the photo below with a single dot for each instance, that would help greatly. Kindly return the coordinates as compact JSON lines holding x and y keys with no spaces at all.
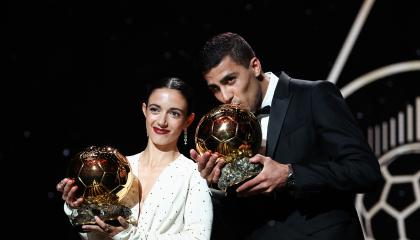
{"x":265,"y":110}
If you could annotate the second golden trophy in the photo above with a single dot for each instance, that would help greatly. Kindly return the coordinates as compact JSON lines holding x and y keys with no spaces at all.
{"x":103,"y":176}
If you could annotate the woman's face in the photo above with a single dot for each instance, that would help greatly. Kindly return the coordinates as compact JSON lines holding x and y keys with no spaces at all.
{"x":166,"y":116}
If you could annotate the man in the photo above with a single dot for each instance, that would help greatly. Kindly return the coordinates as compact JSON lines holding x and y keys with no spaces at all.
{"x":315,"y":158}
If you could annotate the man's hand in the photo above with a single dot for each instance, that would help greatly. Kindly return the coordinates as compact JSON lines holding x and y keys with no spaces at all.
{"x":272,"y":176}
{"x":209,"y":165}
{"x":68,"y":190}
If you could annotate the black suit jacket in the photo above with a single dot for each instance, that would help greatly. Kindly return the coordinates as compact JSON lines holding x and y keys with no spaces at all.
{"x":312,"y":128}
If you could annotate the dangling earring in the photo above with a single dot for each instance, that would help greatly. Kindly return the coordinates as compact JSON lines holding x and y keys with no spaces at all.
{"x":185,"y":136}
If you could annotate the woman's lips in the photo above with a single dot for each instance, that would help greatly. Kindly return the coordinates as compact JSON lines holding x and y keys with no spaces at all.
{"x":160,"y":131}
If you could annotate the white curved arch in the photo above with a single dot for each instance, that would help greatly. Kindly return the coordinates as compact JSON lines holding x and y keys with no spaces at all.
{"x":388,"y":157}
{"x":377,"y":74}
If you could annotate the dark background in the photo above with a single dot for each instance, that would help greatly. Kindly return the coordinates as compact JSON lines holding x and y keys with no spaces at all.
{"x":76,"y":73}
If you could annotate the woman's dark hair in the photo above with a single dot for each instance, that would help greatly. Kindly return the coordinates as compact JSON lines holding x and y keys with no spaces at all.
{"x":222,"y":45}
{"x":176,"y":84}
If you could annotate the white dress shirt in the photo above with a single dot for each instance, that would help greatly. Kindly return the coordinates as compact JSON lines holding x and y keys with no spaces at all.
{"x":268,"y":98}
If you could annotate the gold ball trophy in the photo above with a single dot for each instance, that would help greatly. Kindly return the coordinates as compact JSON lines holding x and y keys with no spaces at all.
{"x":103,"y":177}
{"x":235,"y":133}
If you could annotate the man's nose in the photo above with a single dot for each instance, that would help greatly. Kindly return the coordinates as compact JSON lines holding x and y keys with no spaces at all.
{"x":226,"y":95}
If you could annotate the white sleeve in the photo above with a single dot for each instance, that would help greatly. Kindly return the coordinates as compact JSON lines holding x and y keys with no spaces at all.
{"x":198,"y":210}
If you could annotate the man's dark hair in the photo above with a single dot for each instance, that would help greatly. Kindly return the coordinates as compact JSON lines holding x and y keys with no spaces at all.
{"x":222,"y":45}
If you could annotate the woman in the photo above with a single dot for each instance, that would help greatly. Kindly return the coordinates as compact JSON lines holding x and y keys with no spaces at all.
{"x":174,"y":199}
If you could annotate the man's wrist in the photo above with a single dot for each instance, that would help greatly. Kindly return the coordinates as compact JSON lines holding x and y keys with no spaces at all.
{"x":290,"y":181}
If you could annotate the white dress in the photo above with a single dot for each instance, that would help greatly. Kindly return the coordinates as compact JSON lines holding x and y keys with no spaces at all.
{"x":177,"y":207}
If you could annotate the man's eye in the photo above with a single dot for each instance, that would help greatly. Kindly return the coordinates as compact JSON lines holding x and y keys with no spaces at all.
{"x":214,"y":89}
{"x":228,"y":81}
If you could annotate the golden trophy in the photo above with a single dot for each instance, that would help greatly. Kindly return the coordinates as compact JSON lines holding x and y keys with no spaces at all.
{"x":235,"y":133}
{"x":103,"y":177}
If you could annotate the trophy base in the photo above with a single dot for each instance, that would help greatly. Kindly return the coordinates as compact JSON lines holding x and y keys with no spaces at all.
{"x":236,"y":172}
{"x":85,"y":214}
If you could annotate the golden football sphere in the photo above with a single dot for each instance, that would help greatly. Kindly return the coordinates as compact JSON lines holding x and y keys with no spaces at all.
{"x":229,"y":130}
{"x":102,"y":174}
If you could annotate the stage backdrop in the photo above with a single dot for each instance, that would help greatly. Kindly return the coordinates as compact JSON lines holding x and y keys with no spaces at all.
{"x":77,"y":73}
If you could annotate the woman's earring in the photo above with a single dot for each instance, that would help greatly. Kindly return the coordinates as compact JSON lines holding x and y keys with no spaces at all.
{"x":185,"y":136}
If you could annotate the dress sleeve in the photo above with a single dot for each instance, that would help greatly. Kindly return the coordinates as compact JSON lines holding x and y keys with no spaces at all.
{"x":198,"y":209}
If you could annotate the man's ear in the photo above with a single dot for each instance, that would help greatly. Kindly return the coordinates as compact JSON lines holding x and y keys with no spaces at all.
{"x":255,"y":65}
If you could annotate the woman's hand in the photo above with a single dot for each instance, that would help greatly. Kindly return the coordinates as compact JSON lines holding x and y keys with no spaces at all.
{"x":104,"y":227}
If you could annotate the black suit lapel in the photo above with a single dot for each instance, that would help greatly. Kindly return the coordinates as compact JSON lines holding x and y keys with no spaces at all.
{"x":279,"y":107}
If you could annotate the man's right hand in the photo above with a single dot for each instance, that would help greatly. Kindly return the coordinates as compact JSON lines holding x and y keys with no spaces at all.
{"x":68,"y":190}
{"x":209,"y":165}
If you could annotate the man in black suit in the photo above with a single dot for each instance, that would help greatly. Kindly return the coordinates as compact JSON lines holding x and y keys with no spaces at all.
{"x":315,"y":158}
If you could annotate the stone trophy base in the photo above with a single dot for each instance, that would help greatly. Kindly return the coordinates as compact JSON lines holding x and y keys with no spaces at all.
{"x":236,"y":172}
{"x":109,"y":213}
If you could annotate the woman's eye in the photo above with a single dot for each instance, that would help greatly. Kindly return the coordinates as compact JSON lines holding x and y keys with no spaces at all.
{"x":175,"y":114}
{"x":153,"y":109}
